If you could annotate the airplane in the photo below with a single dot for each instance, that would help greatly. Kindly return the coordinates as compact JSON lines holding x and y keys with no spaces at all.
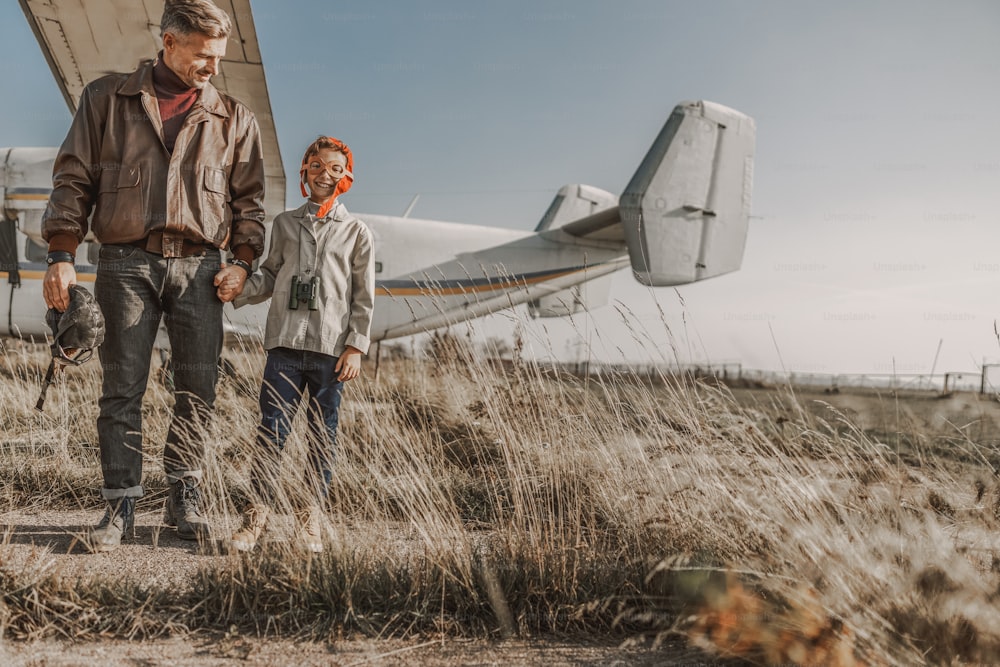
{"x":683,"y":217}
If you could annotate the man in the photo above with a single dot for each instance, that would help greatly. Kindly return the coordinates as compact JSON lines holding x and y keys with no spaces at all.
{"x":171,"y":170}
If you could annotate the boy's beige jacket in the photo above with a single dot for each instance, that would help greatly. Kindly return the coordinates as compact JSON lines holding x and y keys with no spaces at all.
{"x":341,"y":252}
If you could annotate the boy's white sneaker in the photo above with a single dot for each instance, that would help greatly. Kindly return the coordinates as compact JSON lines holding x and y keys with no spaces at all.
{"x":310,"y":522}
{"x":254,"y":522}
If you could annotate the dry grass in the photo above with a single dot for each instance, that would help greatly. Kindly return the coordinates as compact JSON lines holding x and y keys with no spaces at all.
{"x":477,"y":500}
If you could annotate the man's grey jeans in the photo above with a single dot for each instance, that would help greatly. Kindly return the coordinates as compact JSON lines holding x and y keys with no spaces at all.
{"x":135,"y":289}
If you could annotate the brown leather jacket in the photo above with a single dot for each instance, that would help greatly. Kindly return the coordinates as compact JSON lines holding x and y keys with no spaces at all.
{"x":210,"y":190}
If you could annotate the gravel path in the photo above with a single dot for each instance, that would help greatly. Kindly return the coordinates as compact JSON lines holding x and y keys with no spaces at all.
{"x":254,"y":652}
{"x":52,"y":540}
{"x":156,"y":557}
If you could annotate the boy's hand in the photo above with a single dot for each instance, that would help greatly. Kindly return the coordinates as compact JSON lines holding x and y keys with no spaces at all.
{"x":229,"y":281}
{"x":348,"y":364}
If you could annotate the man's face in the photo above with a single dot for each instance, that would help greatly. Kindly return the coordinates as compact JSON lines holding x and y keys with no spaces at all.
{"x":194,"y":58}
{"x":323,"y":171}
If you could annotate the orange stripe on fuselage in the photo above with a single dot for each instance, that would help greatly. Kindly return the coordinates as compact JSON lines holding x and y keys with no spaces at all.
{"x":28,"y":197}
{"x":503,"y":284}
{"x":38,"y":275}
{"x":384,"y":291}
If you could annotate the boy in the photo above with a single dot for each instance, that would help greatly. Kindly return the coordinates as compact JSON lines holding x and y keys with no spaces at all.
{"x":319,"y":273}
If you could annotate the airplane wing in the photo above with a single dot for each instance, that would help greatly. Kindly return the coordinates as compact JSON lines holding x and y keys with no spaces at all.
{"x":85,"y":40}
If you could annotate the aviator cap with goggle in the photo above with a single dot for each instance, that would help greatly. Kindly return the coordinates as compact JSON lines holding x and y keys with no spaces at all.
{"x":78,"y":330}
{"x":75,"y":334}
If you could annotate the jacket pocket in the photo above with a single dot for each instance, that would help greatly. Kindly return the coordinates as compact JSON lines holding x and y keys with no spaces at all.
{"x":279,"y":317}
{"x":214,"y":199}
{"x":119,"y":207}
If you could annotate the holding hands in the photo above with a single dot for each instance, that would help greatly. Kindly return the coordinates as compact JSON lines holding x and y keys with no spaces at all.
{"x":229,"y":282}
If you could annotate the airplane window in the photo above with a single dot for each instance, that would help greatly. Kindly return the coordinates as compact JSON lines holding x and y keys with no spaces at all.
{"x":35,"y":251}
{"x":378,"y":267}
{"x":93,"y":252}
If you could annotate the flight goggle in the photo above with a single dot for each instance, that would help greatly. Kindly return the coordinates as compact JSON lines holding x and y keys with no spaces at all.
{"x":71,"y":356}
{"x":317,"y":166}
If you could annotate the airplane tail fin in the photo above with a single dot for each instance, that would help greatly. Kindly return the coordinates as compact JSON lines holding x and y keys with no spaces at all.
{"x":686,"y":210}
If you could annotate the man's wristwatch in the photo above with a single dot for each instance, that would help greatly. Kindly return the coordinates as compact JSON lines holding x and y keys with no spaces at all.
{"x":57,"y":256}
{"x":243,"y":265}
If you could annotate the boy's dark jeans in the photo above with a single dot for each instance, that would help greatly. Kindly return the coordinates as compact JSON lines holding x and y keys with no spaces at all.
{"x":287,"y":375}
{"x":135,"y":289}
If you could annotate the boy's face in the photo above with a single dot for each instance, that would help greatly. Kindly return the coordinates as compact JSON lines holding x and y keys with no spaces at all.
{"x":323,"y":171}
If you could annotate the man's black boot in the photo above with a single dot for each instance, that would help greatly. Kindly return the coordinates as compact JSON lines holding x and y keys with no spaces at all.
{"x":118,"y":521}
{"x":184,"y":510}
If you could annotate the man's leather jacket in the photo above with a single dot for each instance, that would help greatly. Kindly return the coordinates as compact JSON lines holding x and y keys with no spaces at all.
{"x":113,"y":163}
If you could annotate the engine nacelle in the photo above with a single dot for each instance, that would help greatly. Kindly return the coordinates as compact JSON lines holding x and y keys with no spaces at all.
{"x":584,"y":297}
{"x":25,"y":186}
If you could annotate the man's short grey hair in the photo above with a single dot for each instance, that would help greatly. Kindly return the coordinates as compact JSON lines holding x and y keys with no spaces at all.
{"x":184,"y":17}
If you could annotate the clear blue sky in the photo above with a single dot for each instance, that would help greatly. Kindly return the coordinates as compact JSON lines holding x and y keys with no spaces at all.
{"x":877,"y":178}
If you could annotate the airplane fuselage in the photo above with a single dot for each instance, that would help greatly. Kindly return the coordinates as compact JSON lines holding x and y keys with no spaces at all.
{"x":682,"y":218}
{"x":429,"y":273}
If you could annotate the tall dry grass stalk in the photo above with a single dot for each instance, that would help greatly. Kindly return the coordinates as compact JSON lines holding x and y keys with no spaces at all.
{"x":478,"y":498}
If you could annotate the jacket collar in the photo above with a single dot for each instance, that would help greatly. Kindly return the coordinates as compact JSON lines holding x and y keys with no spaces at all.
{"x":141,"y":82}
{"x":338,"y":212}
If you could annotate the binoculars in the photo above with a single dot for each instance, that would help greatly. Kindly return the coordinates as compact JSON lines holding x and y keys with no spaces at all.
{"x":302,"y":292}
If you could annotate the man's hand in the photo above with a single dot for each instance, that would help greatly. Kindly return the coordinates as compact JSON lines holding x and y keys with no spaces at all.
{"x":348,"y":364}
{"x":55,"y":286}
{"x":229,"y":281}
